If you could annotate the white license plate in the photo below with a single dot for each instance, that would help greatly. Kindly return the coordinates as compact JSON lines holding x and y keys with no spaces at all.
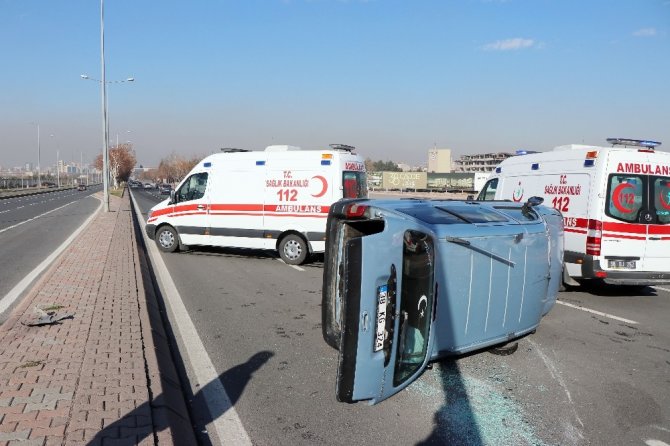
{"x":621,"y":264}
{"x":382,"y":300}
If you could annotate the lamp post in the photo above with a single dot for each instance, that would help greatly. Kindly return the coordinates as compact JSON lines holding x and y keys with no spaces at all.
{"x":105,"y":121}
{"x":57,"y":160}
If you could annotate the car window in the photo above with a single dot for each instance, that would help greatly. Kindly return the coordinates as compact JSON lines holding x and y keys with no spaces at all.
{"x":416,"y":304}
{"x":193,"y":188}
{"x":661,"y":193}
{"x":625,"y":197}
{"x":354,"y":185}
{"x":488,"y":192}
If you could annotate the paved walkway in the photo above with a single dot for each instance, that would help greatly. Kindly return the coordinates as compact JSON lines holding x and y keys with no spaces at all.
{"x":105,"y":375}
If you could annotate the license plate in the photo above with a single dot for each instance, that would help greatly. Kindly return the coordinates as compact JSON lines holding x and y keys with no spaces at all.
{"x":382,"y":300}
{"x":621,"y":264}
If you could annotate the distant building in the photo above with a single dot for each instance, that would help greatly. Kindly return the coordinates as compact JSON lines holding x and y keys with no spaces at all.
{"x":484,"y":162}
{"x":439,"y":160}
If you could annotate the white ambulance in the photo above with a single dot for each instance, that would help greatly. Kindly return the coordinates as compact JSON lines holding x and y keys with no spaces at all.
{"x":278,"y":198}
{"x":615,"y":203}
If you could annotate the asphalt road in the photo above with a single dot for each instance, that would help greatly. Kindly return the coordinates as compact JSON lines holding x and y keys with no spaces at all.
{"x":32,"y":227}
{"x":583,"y":378}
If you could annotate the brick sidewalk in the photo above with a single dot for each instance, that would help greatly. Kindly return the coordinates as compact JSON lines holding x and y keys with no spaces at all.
{"x":95,"y":378}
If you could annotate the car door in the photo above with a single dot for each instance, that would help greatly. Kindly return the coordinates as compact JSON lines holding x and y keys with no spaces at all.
{"x":387,"y":314}
{"x":190,"y":211}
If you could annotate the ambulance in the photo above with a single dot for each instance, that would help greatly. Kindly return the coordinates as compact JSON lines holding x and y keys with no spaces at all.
{"x":615,"y":203}
{"x":275,"y":199}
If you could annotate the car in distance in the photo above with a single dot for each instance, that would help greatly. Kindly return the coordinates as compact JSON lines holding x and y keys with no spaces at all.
{"x":81,"y":187}
{"x":165,"y":189}
{"x":149,"y":186}
{"x":407,"y":282}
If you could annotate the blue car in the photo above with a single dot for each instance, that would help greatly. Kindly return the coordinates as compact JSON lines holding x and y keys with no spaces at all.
{"x":409,"y":281}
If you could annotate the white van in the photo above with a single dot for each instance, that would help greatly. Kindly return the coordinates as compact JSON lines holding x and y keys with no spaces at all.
{"x":273,"y":199}
{"x":615,"y":202}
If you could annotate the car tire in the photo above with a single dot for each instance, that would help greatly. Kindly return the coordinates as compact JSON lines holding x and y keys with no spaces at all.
{"x":167,"y":239}
{"x":293,"y":249}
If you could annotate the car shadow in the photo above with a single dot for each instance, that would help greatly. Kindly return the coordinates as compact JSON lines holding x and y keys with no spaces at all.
{"x":600,"y":288}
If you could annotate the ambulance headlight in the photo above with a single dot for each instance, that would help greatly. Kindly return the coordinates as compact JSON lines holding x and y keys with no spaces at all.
{"x":149,"y":214}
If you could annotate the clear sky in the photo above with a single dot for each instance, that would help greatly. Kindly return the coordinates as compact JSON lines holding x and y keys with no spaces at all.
{"x":391,"y":77}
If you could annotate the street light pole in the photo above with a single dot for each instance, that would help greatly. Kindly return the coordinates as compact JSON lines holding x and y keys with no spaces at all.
{"x":103,"y":88}
{"x":39,"y":175}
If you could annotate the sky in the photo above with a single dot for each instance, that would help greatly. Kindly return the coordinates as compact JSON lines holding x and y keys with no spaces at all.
{"x":394,"y":78}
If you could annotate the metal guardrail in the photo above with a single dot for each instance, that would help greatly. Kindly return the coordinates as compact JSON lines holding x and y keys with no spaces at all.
{"x":29,"y":192}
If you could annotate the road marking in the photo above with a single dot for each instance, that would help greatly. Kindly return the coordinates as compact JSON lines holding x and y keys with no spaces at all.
{"x":588,"y":310}
{"x":292,"y":266}
{"x":556,"y":375}
{"x":20,"y":287}
{"x":227,"y":423}
{"x":667,"y":290}
{"x":35,"y":218}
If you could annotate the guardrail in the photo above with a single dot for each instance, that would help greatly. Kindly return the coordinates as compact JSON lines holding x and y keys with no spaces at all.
{"x":29,"y":192}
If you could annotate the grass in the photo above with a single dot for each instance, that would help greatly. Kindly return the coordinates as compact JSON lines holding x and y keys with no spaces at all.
{"x":118,"y":191}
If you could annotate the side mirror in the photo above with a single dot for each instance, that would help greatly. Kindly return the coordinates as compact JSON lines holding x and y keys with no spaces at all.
{"x":172,"y":197}
{"x":532,"y":202}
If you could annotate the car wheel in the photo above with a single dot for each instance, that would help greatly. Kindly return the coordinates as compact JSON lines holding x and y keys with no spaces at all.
{"x":293,"y":249}
{"x":167,"y":239}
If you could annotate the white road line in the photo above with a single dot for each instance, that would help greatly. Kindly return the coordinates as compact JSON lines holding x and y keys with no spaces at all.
{"x":227,"y":424}
{"x":35,"y":218}
{"x":667,"y":290}
{"x":20,"y":287}
{"x":292,"y":266}
{"x":588,"y":310}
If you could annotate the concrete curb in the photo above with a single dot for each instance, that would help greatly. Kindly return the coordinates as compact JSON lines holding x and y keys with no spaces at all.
{"x":172,"y":423}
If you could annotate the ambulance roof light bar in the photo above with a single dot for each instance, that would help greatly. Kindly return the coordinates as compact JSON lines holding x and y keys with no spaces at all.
{"x":344,"y":147}
{"x":633,"y":142}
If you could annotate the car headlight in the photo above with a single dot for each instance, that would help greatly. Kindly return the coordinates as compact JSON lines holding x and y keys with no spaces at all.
{"x":149,"y":214}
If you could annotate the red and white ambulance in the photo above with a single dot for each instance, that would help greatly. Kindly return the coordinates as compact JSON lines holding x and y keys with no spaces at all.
{"x":278,"y":198}
{"x":615,"y":203}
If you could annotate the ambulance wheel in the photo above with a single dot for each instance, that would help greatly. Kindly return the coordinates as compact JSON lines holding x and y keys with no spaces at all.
{"x":167,"y":239}
{"x":293,"y":249}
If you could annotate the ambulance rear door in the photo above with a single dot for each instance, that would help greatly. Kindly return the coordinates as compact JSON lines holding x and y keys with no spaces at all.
{"x":627,"y":211}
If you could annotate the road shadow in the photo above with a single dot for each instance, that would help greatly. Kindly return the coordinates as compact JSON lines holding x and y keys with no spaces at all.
{"x":598,"y":287}
{"x":137,"y":425}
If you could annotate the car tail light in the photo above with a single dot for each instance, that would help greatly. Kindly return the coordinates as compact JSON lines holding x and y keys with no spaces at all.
{"x":355,"y":210}
{"x":594,"y":237}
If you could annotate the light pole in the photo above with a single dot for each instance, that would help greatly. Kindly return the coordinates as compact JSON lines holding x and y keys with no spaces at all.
{"x":39,"y":175}
{"x":105,"y":120}
{"x":57,"y":160}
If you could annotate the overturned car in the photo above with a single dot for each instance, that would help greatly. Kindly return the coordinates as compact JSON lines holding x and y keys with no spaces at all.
{"x":409,"y":281}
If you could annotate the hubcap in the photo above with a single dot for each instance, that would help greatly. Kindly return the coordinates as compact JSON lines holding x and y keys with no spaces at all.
{"x":166,"y":239}
{"x":292,"y":249}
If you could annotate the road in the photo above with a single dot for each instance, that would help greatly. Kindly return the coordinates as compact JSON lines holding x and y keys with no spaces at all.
{"x":33,"y":227}
{"x":585,"y":377}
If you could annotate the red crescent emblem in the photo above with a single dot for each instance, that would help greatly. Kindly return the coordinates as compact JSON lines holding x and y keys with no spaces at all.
{"x":616,"y":195}
{"x":324,"y":186}
{"x":664,"y":203}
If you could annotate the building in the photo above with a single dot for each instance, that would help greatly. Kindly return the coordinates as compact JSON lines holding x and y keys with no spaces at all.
{"x":439,"y":160}
{"x":484,"y":162}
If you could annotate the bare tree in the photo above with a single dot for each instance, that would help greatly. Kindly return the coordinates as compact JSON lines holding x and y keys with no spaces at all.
{"x":121,"y":162}
{"x":175,"y":167}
